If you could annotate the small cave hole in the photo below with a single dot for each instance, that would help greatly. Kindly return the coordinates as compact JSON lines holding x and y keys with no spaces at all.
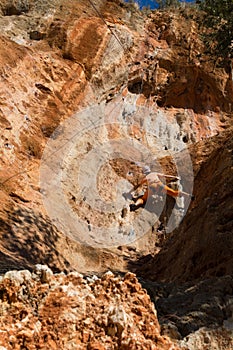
{"x":124,"y":213}
{"x":185,"y":139}
{"x":135,"y":87}
{"x":67,"y":56}
{"x":16,"y":9}
{"x":161,"y":103}
{"x":139,"y":86}
{"x":36,"y":35}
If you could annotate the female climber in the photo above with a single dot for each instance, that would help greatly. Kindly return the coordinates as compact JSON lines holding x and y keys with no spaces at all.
{"x":155,"y":186}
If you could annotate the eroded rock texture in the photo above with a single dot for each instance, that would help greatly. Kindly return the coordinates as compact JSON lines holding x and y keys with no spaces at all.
{"x":40,"y":310}
{"x":159,"y":88}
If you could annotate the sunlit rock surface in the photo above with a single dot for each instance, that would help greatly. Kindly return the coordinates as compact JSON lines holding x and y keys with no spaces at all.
{"x":165,"y":103}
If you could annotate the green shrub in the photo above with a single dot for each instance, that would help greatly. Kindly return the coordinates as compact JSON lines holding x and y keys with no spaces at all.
{"x":219,"y":17}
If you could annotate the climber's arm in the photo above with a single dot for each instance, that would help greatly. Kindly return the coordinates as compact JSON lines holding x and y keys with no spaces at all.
{"x":171,"y":192}
{"x":175,"y":193}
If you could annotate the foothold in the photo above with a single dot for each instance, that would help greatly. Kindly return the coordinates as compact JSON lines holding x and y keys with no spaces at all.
{"x":36,"y":35}
{"x":8,"y":145}
{"x":124,"y":212}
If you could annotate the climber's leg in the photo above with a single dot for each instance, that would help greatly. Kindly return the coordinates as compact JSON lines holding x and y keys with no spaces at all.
{"x":140,"y":201}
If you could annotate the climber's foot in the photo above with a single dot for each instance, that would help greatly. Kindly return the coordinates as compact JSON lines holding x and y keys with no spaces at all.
{"x":133,"y":207}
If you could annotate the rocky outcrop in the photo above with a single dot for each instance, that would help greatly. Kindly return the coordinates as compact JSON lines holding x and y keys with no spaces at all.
{"x":150,"y":81}
{"x":41,"y":310}
{"x":183,"y":309}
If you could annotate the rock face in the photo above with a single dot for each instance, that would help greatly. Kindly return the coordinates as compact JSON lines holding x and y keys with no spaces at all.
{"x":62,"y":58}
{"x":185,"y":255}
{"x":78,"y":76}
{"x":186,"y":308}
{"x":40,"y":310}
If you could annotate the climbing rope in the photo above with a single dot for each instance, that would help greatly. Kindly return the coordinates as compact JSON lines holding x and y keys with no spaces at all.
{"x":108,"y":26}
{"x":75,"y":134}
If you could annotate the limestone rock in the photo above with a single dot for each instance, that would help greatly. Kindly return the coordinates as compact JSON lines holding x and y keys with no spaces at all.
{"x":58,"y":59}
{"x":69,"y":312}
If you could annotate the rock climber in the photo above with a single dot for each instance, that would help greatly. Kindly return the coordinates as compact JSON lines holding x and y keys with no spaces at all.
{"x":155,"y":186}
